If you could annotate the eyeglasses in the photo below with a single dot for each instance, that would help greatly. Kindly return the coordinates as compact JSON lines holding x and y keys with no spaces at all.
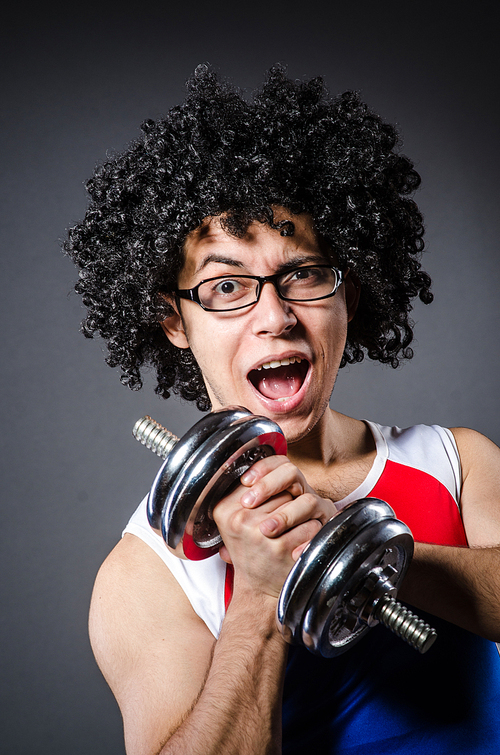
{"x":226,"y":293}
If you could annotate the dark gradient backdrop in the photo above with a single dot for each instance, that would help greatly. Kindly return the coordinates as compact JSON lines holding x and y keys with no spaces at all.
{"x":76,"y":84}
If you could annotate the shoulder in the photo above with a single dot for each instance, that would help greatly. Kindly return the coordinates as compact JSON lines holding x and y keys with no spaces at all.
{"x":480,"y":500}
{"x":480,"y":457}
{"x":134,"y":591}
{"x":474,"y":448}
{"x":145,"y":634}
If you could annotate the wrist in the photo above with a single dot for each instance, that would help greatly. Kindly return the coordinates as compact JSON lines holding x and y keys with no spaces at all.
{"x":253,"y":610}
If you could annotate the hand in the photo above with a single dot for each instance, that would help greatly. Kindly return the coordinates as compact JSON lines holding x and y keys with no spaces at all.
{"x":267,"y":521}
{"x":261,"y":563}
{"x":275,"y":475}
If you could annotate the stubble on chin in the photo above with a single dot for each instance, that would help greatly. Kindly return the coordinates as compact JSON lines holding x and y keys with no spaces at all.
{"x":215,"y":395}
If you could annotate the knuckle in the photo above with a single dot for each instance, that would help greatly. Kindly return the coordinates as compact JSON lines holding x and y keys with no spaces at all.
{"x":313,"y":526}
{"x":260,"y":488}
{"x":291,"y":469}
{"x":282,"y":520}
{"x":282,"y":547}
{"x":239,"y":519}
{"x":279,"y":460}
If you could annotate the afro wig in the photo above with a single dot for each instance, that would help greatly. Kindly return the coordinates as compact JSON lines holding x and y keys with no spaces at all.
{"x":218,"y":155}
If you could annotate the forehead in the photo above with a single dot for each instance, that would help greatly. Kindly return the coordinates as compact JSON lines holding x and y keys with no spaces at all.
{"x":210,"y":245}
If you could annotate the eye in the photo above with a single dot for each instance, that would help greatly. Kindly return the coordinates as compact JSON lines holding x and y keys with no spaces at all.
{"x":227,"y":287}
{"x":302,"y":274}
{"x":226,"y":293}
{"x":305,"y":275}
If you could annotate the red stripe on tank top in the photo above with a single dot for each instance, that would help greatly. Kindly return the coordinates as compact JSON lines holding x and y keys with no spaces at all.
{"x":423,"y":503}
{"x":228,"y":585}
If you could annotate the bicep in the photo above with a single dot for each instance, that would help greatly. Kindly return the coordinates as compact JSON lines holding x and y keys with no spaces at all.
{"x":480,"y":497}
{"x":152,"y":648}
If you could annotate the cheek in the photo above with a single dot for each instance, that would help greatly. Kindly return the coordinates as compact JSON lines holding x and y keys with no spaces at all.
{"x":331,"y":328}
{"x":214,"y":347}
{"x":332,"y":336}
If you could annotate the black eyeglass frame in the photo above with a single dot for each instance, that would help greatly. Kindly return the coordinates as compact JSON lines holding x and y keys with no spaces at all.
{"x":191,"y":294}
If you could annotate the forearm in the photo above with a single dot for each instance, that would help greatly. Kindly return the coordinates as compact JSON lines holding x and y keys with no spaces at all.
{"x":238,"y":711}
{"x":461,"y":585}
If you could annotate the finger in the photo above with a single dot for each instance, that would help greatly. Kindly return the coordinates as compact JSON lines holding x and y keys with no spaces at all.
{"x":294,"y":541}
{"x":224,"y":554}
{"x":295,"y":512}
{"x":262,"y":467}
{"x":231,"y":518}
{"x":284,"y":476}
{"x":297,"y":552}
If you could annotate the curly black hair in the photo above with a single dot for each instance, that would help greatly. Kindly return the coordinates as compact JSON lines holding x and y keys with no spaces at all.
{"x":218,"y":154}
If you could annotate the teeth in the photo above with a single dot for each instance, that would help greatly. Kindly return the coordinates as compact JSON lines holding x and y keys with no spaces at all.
{"x":279,"y":363}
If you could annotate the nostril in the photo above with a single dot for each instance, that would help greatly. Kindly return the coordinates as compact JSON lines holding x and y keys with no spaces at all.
{"x":271,"y":317}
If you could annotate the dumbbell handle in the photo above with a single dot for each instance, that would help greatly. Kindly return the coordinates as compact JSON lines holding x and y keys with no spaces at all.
{"x":405,"y":624}
{"x":154,"y":436}
{"x":392,"y":614}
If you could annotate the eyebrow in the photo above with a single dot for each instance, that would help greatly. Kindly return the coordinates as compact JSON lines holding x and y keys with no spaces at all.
{"x":288,"y":265}
{"x":217,"y":258}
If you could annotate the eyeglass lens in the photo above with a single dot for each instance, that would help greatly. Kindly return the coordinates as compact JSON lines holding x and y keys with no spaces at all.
{"x":300,"y":284}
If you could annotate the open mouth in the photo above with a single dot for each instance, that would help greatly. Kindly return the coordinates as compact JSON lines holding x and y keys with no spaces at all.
{"x":279,"y":379}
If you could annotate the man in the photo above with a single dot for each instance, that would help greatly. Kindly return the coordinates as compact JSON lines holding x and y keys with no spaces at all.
{"x":248,"y":251}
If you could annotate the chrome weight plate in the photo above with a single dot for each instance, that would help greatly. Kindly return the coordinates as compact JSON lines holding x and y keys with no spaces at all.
{"x":187,"y":525}
{"x":181,"y":453}
{"x":318,"y":556}
{"x":336,"y":616}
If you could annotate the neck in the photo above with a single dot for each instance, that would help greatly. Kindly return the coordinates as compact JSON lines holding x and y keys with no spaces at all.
{"x":323,"y":445}
{"x":335,"y":456}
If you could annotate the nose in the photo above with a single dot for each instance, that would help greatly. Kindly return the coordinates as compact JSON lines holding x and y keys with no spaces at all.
{"x":272,"y":315}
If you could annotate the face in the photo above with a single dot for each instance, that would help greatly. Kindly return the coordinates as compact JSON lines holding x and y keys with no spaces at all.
{"x":276,"y":358}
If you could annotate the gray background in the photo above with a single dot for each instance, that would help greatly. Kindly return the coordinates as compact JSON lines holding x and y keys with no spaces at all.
{"x":77,"y":83}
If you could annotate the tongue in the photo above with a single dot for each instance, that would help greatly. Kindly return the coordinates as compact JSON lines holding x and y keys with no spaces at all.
{"x":280,"y":382}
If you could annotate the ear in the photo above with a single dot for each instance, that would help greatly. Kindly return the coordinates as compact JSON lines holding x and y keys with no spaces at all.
{"x":173,"y":327}
{"x":352,"y":288}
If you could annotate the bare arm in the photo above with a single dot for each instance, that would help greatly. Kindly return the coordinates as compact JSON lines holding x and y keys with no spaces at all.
{"x":151,"y":647}
{"x":179,"y":691}
{"x":239,"y":708}
{"x":462,"y":585}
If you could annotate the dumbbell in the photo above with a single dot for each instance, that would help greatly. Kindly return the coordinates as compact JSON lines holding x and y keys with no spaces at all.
{"x":347,"y":578}
{"x":199,"y":470}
